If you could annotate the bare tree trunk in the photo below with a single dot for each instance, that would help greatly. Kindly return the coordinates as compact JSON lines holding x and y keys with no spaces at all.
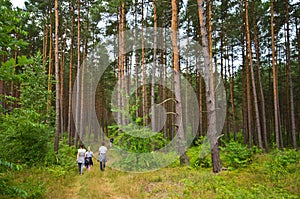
{"x":144,"y":84}
{"x":261,"y":93}
{"x":294,"y":140}
{"x":57,"y":93}
{"x":62,"y":82}
{"x":136,"y":57}
{"x":252,"y":78}
{"x":45,"y":45}
{"x":275,"y":89}
{"x":49,"y":98}
{"x":231,"y":76}
{"x":70,"y":115}
{"x":177,"y":84}
{"x":121,"y":61}
{"x":153,"y":115}
{"x":249,"y":108}
{"x":210,"y":96}
{"x":78,"y":75}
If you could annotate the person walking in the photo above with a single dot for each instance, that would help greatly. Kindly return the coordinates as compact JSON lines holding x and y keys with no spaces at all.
{"x":111,"y":142}
{"x":102,"y":156}
{"x":89,"y":158}
{"x":80,"y":158}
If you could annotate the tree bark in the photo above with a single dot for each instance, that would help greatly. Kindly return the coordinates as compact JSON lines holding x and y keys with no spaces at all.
{"x":77,"y":106}
{"x":252,"y":77}
{"x":153,"y":115}
{"x":177,"y":84}
{"x":275,"y":89}
{"x":70,"y":115}
{"x":57,"y":92}
{"x":260,"y":87}
{"x":294,"y":140}
{"x":210,"y":96}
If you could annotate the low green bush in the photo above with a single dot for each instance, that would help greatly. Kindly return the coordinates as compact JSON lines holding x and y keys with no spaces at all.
{"x":236,"y":155}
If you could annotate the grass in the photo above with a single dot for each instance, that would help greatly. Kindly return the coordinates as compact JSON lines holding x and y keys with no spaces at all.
{"x":175,"y":182}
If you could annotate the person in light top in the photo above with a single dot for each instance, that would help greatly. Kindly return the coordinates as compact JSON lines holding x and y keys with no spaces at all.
{"x":80,"y":158}
{"x":102,"y":156}
{"x":89,"y":158}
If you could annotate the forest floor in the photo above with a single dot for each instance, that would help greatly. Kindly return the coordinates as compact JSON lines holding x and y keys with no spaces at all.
{"x":178,"y":183}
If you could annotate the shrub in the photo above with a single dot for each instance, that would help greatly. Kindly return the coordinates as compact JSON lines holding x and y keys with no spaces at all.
{"x":282,"y":163}
{"x":236,"y":154}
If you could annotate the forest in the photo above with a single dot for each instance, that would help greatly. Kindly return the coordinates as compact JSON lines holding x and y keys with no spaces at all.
{"x":200,"y":96}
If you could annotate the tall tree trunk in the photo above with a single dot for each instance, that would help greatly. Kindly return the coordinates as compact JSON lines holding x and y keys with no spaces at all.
{"x":62,"y":82}
{"x":231,"y":76}
{"x":144,"y":84}
{"x":45,"y":45}
{"x":70,"y":115}
{"x":49,"y":97}
{"x":57,"y":92}
{"x":210,"y":96}
{"x":252,"y":77}
{"x":136,"y":57}
{"x":153,"y":114}
{"x":177,"y":84}
{"x":260,"y":87}
{"x":77,"y":108}
{"x":275,"y":89}
{"x":249,"y":108}
{"x":121,"y":61}
{"x":294,"y":140}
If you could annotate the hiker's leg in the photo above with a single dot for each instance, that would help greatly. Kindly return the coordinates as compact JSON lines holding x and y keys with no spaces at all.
{"x":79,"y":168}
{"x":101,"y":166}
{"x":82,"y":168}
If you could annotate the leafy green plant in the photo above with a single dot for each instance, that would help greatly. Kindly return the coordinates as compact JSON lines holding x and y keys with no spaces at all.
{"x":7,"y":187}
{"x":198,"y":160}
{"x":236,"y":154}
{"x":282,"y":163}
{"x":24,"y":132}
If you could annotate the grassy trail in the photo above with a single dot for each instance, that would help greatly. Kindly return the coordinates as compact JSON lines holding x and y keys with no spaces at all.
{"x":180,"y":183}
{"x":96,"y":184}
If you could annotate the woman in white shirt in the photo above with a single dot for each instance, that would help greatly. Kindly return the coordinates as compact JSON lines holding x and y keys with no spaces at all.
{"x":102,"y":156}
{"x":80,"y":158}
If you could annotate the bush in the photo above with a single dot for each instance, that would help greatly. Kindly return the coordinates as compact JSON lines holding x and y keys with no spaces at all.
{"x":236,"y":154}
{"x":200,"y":154}
{"x":22,"y":138}
{"x":282,"y":163}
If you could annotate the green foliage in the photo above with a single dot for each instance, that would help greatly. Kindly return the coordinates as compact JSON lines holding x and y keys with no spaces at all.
{"x":236,"y":154}
{"x":24,"y":132}
{"x":197,"y":160}
{"x":7,"y":187}
{"x":4,"y":165}
{"x":139,"y":141}
{"x":10,"y":26}
{"x":282,"y":163}
{"x":23,"y":138}
{"x":199,"y":154}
